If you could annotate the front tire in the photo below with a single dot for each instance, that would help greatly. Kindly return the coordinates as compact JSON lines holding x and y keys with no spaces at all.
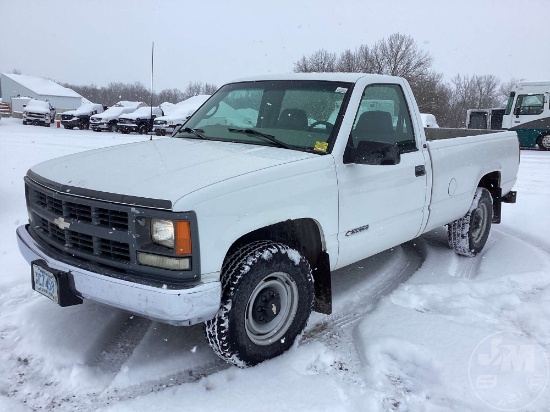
{"x":267,"y":296}
{"x":544,"y":142}
{"x":468,"y":235}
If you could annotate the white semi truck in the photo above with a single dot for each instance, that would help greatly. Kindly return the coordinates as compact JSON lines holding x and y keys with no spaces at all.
{"x":528,"y":113}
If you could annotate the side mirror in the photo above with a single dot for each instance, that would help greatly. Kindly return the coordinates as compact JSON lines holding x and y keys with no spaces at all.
{"x":377,"y":153}
{"x":516,"y":111}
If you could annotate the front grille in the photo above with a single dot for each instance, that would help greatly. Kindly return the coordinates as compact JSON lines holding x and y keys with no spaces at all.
{"x":82,"y":213}
{"x":56,"y":219}
{"x":36,"y":114}
{"x":66,"y":116}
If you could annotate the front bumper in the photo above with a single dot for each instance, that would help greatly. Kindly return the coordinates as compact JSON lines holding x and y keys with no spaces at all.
{"x":70,"y":123}
{"x":173,"y":306}
{"x":99,"y":126}
{"x":36,"y":120}
{"x":163,"y":130}
{"x":127,"y":128}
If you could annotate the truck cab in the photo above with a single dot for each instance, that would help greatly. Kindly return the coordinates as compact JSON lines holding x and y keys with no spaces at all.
{"x":528,"y":113}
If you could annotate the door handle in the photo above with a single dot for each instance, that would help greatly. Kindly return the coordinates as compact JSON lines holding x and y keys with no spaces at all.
{"x":419,"y":170}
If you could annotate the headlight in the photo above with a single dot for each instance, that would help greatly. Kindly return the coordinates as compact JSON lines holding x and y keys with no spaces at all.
{"x":162,"y":232}
{"x":173,"y":234}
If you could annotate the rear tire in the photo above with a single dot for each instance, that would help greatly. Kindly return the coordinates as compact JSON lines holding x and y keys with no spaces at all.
{"x":267,"y":296}
{"x":544,"y":141}
{"x":468,"y":235}
{"x":142,"y":129}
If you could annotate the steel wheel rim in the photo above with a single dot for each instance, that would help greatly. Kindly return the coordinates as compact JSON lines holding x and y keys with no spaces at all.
{"x":479,"y":222}
{"x":266,"y":333}
{"x":545,"y":141}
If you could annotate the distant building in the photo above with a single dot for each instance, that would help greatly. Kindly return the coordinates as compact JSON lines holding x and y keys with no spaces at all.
{"x":19,"y":85}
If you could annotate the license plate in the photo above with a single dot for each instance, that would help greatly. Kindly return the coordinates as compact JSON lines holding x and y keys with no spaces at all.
{"x":45,"y":283}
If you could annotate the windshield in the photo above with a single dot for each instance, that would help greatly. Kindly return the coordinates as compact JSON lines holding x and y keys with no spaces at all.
{"x":115,"y":111}
{"x":302,"y":115}
{"x":38,"y":104}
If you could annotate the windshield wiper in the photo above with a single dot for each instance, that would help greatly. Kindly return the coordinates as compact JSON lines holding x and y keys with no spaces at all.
{"x":269,"y":137}
{"x":194,"y":132}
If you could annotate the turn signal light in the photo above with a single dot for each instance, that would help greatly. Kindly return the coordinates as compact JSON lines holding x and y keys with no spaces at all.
{"x":183,"y":238}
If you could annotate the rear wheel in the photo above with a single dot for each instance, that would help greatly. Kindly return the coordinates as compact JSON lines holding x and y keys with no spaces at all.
{"x":267,"y":296}
{"x":468,"y":235}
{"x":112,"y":127}
{"x":142,"y":129}
{"x":544,"y":141}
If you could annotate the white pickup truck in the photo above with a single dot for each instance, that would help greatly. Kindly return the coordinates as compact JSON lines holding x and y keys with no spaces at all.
{"x":238,"y":220}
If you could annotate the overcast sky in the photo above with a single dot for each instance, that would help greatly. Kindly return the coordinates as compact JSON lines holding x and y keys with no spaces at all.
{"x":214,"y":41}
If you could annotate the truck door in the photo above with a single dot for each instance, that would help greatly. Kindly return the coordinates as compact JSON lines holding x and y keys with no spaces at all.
{"x":381,"y":206}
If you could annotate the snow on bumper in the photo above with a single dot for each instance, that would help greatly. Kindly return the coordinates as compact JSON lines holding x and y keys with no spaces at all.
{"x":173,"y":306}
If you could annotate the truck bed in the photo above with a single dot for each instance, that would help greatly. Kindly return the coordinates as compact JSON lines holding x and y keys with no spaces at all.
{"x":443,"y":133}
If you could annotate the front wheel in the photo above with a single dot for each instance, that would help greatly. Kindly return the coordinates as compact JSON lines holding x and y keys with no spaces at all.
{"x":267,"y":296}
{"x":468,"y":235}
{"x":544,"y":142}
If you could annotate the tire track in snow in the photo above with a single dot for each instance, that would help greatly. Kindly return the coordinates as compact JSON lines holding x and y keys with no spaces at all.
{"x":369,"y":297}
{"x":119,"y":349}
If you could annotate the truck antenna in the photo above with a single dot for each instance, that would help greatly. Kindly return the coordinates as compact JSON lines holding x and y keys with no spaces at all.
{"x":152,"y":71}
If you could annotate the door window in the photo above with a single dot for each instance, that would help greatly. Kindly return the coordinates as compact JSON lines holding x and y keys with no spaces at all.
{"x":383,"y":116}
{"x":530,"y":104}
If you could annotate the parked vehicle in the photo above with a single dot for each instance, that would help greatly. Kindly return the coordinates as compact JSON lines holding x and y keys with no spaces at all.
{"x":108,"y":119}
{"x":428,"y":120}
{"x":139,"y":121}
{"x":38,"y":112}
{"x":528,"y":113}
{"x":177,"y":115}
{"x":486,"y":119}
{"x":238,"y":220}
{"x":80,"y":117}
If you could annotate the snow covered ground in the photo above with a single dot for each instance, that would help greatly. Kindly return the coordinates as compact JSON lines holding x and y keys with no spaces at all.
{"x":414,"y":328}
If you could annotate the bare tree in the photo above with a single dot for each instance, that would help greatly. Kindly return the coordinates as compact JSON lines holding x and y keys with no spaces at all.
{"x":472,"y":92}
{"x":505,"y":89}
{"x":398,"y":55}
{"x":321,"y":61}
{"x":348,"y":62}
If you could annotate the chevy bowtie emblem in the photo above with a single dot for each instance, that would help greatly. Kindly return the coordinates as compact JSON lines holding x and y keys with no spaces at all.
{"x":60,"y":223}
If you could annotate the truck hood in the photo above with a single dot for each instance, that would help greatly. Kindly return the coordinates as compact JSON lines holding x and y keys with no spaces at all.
{"x":36,"y":109}
{"x":163,"y":169}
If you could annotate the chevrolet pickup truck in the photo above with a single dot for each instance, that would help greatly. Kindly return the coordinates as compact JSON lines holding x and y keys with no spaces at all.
{"x":240,"y":218}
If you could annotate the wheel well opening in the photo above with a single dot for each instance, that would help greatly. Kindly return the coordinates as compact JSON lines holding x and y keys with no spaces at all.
{"x":491,"y":182}
{"x":305,"y":236}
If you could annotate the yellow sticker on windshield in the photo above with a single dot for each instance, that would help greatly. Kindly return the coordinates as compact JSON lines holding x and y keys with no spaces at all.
{"x":321,"y":147}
